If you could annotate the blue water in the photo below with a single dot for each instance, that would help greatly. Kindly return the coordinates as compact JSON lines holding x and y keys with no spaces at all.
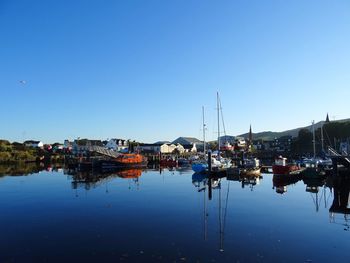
{"x":163,"y":217}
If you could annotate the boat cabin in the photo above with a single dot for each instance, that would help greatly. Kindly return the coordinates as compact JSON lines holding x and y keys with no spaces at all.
{"x":281,"y":161}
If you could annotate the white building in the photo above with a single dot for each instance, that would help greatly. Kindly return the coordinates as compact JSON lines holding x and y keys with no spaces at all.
{"x":117,"y":145}
{"x":164,"y":148}
{"x":34,"y":144}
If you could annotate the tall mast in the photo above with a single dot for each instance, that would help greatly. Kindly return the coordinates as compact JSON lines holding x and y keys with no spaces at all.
{"x":313,"y":137}
{"x":322,"y":139}
{"x":218,"y":107}
{"x":203,"y":130}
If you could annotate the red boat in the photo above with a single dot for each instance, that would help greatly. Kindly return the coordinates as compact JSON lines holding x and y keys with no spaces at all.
{"x":168,"y":162}
{"x":282,"y":167}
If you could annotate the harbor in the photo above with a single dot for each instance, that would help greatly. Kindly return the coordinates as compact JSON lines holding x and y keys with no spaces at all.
{"x":175,"y":131}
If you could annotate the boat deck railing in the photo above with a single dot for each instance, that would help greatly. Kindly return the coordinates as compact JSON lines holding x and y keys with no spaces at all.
{"x":103,"y":151}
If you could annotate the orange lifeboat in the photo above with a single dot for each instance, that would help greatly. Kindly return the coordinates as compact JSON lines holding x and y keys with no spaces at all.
{"x":131,"y":159}
{"x":128,"y":160}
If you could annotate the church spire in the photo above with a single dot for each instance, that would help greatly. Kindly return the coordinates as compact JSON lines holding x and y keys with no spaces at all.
{"x":327,"y":118}
{"x":250,"y":134}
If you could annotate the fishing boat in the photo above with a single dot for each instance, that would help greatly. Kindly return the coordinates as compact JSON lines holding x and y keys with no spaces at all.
{"x":250,"y":167}
{"x":281,"y":167}
{"x":125,"y":160}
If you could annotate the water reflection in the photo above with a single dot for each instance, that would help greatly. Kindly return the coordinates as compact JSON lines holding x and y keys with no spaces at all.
{"x":337,"y":185}
{"x":280,"y":182}
{"x":91,"y":179}
{"x":23,"y":169}
{"x":249,"y":181}
{"x":205,"y":184}
{"x":176,"y":215}
{"x":340,"y":204}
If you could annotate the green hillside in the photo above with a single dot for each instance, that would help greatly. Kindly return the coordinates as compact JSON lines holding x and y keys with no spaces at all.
{"x":269,"y":135}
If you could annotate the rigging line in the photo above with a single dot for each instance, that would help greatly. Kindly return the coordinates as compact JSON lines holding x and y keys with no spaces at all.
{"x":222,"y":117}
{"x":329,"y":140}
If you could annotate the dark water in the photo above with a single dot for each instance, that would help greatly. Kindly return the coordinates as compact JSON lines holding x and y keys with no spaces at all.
{"x":166,"y":217}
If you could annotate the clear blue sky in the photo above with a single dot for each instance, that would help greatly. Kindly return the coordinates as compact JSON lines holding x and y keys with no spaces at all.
{"x":143,"y":69}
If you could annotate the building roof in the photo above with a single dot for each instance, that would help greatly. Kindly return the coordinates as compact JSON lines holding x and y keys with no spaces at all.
{"x":162,"y":142}
{"x":187,"y":146}
{"x":83,"y":142}
{"x":114,"y":139}
{"x":31,"y":142}
{"x":149,"y":144}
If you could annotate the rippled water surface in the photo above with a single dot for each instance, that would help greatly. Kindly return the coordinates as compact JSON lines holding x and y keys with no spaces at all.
{"x":166,"y":216}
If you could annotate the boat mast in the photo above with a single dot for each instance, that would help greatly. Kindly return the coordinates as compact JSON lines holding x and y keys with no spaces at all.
{"x":218,"y":108}
{"x":313,"y":138}
{"x":204,"y":148}
{"x":322,"y":139}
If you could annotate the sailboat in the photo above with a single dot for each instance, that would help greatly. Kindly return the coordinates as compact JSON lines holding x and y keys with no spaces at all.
{"x":201,"y":165}
{"x":218,"y":164}
{"x":312,"y":169}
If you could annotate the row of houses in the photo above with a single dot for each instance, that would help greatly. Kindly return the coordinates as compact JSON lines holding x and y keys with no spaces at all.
{"x":120,"y":145}
{"x":180,"y":145}
{"x":282,"y":144}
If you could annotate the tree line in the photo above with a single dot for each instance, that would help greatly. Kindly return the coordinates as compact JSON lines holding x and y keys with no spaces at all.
{"x":334,"y":133}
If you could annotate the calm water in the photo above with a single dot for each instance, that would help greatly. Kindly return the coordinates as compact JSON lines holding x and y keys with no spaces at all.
{"x":166,"y":217}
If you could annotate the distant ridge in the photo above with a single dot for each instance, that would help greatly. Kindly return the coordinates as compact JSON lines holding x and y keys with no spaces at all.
{"x":269,"y":135}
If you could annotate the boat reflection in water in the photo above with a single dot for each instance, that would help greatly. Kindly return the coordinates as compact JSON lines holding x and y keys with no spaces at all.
{"x":90,"y":179}
{"x":205,"y":183}
{"x":340,"y":210}
{"x":338,"y":186}
{"x":280,"y":182}
{"x":209,"y":184}
{"x":313,"y":185}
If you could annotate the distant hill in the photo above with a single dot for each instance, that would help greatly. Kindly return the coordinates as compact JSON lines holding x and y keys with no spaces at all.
{"x":269,"y":135}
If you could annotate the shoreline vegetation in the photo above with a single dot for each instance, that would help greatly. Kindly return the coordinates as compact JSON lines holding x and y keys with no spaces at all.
{"x":16,"y":153}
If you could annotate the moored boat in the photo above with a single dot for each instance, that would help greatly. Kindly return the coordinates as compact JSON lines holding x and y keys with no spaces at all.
{"x":168,"y":162}
{"x":199,"y":167}
{"x":125,"y":160}
{"x":281,"y":167}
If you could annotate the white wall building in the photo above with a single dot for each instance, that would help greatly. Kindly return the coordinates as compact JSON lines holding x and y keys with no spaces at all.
{"x":34,"y":144}
{"x":165,"y":148}
{"x":117,"y":145}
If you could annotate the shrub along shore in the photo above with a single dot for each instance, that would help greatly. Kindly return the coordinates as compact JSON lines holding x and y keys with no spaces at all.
{"x":11,"y":153}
